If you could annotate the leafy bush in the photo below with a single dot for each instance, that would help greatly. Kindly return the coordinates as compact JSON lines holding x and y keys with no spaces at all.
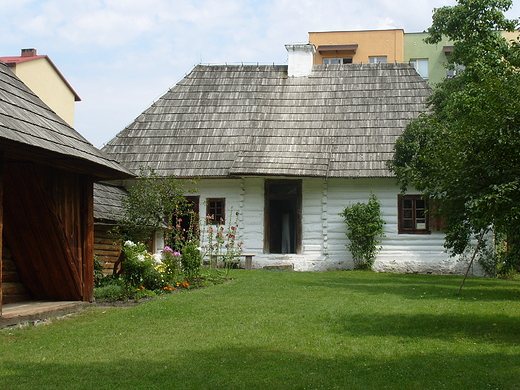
{"x":145,"y":275}
{"x":170,"y":266}
{"x":364,"y":225}
{"x":144,"y":293}
{"x":139,"y":267}
{"x":98,"y":270}
{"x":191,"y":261}
{"x":111,"y":293}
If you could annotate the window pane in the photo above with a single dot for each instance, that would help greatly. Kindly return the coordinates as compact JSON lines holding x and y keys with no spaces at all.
{"x":413,"y":217}
{"x":421,"y":66}
{"x":376,"y":60}
{"x":327,"y":61}
{"x":407,"y":224}
{"x":216,"y":210}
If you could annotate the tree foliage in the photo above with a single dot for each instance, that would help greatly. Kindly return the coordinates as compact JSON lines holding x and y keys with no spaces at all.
{"x":464,"y":152}
{"x":154,"y":204}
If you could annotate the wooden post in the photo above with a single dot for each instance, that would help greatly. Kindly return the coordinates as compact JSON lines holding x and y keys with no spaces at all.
{"x":249,"y":261}
{"x":87,"y":232}
{"x":1,"y":226}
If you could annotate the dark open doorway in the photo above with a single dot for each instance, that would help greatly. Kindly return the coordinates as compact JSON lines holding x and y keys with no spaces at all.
{"x":283,"y":216}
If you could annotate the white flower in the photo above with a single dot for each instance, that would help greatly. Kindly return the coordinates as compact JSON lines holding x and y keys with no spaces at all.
{"x":157,"y":258}
{"x":140,"y":257}
{"x":129,"y":243}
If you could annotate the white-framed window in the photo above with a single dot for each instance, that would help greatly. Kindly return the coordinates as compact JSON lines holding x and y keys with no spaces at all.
{"x":377,"y":59}
{"x":421,"y":66}
{"x":450,"y":73}
{"x":346,"y":60}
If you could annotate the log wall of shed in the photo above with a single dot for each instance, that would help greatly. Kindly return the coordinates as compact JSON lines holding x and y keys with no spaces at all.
{"x":107,"y":248}
{"x":13,"y":289}
{"x":49,"y":227}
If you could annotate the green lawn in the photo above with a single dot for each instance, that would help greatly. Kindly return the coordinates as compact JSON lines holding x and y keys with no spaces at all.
{"x":283,"y":330}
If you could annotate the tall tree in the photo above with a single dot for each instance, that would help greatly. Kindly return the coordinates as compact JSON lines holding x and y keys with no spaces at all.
{"x":155,"y":204}
{"x":464,"y":152}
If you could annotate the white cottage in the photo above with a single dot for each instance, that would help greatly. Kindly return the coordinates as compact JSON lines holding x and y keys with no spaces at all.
{"x":289,"y":147}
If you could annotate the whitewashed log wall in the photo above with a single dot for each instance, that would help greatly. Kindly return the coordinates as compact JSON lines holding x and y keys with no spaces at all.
{"x":324,"y":243}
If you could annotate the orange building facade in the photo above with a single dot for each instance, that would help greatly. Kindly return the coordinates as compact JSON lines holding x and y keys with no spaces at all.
{"x":346,"y":47}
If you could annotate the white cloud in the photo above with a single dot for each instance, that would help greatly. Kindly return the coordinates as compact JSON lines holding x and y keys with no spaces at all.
{"x":119,"y":55}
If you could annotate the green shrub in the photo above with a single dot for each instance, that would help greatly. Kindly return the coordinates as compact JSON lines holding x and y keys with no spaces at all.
{"x":98,"y":270}
{"x":191,"y":261}
{"x":364,"y":225}
{"x":170,"y":266}
{"x":139,"y":267}
{"x":110,"y":293}
{"x":143,"y":293}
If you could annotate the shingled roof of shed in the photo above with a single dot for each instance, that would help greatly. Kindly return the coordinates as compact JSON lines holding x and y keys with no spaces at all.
{"x":108,"y":201}
{"x":28,"y":127}
{"x":341,"y":121}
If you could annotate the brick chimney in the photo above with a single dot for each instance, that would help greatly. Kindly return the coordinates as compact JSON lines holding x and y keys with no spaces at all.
{"x":300,"y":58}
{"x":28,"y":52}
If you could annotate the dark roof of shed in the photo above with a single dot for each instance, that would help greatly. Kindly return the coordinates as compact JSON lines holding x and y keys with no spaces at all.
{"x":341,"y":121}
{"x":30,"y":130}
{"x":108,"y":201}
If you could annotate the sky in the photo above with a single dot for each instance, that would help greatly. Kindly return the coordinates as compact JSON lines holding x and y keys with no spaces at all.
{"x":122,"y":55}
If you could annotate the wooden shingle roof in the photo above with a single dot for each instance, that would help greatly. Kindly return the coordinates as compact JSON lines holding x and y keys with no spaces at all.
{"x":29,"y":129}
{"x":108,"y":201}
{"x":341,"y":121}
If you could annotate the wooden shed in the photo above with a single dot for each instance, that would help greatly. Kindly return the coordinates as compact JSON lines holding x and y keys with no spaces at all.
{"x":47,"y":171}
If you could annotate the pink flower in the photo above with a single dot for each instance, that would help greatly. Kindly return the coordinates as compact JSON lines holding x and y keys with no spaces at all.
{"x":167,"y":249}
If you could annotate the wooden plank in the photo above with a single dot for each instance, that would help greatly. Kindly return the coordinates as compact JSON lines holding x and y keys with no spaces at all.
{"x":36,"y":233}
{"x":1,"y":227}
{"x":87,"y":237}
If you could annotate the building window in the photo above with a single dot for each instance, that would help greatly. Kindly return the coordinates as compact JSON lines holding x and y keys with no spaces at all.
{"x":413,"y":214}
{"x":377,"y":60}
{"x":421,"y":66}
{"x":346,"y":60}
{"x":216,"y":210}
{"x":450,"y":73}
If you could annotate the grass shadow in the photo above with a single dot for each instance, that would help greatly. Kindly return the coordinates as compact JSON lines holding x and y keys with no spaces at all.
{"x":249,"y":368}
{"x":491,"y":329}
{"x":412,"y":286}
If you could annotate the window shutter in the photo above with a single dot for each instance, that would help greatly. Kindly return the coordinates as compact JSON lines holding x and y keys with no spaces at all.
{"x":436,"y":221}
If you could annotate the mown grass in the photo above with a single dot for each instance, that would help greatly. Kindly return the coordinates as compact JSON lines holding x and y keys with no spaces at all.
{"x":284,"y":330}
